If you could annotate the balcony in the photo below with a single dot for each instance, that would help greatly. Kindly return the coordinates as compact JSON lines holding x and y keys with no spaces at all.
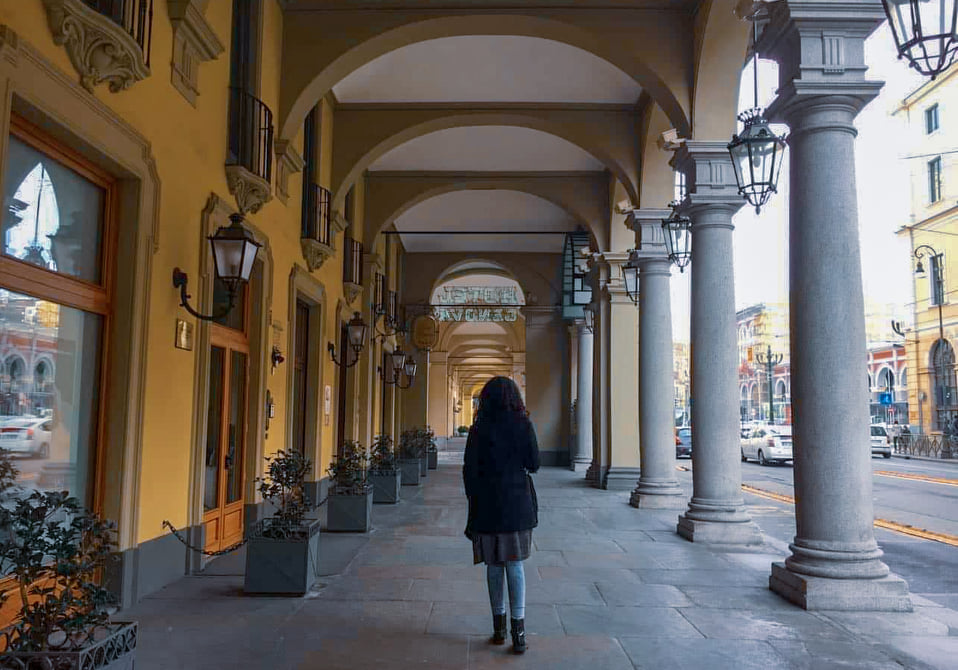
{"x":316,"y":238}
{"x":108,"y":41}
{"x":352,"y":269}
{"x":249,"y":163}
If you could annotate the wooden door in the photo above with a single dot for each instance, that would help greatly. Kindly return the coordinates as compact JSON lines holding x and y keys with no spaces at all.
{"x":226,"y":436}
{"x":301,"y":377}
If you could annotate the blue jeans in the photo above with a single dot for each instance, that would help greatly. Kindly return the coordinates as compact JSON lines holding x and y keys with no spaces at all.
{"x":514,"y":574}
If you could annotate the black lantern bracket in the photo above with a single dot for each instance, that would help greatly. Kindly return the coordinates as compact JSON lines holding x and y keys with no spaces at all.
{"x":181,"y":281}
{"x":356,"y":330}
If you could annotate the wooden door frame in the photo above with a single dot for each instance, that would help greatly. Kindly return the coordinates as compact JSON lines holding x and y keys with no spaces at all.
{"x":216,"y":214}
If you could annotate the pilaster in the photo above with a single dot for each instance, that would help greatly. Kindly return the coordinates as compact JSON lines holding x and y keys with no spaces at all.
{"x":545,"y":375}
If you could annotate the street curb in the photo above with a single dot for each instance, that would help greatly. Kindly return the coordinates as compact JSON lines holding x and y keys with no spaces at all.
{"x":950,"y":461}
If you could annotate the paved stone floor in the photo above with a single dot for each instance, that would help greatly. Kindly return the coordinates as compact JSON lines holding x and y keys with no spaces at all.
{"x":609,"y":587}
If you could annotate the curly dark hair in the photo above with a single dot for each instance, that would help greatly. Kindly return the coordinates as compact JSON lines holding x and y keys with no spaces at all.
{"x":499,"y":398}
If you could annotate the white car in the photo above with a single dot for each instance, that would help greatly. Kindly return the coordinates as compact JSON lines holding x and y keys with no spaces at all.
{"x":27,"y":436}
{"x":768,"y":444}
{"x":881,"y":442}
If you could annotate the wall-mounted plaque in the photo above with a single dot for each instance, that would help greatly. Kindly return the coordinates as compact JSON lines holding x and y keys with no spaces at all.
{"x":184,"y":335}
{"x":425,"y":332}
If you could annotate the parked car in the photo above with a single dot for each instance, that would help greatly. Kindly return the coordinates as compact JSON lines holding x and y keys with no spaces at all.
{"x":768,"y":444}
{"x":881,"y":442}
{"x":27,"y":436}
{"x":683,"y":442}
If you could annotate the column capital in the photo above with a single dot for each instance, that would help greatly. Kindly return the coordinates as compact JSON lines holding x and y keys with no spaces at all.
{"x":820,"y":49}
{"x":649,"y":236}
{"x":709,"y":175}
{"x":609,"y":274}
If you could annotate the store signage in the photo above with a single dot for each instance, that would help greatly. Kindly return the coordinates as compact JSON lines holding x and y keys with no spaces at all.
{"x":477,"y":303}
{"x":477,"y":314}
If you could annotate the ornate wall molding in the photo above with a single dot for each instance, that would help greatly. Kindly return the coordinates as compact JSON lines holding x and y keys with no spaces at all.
{"x":194,"y":42}
{"x":288,"y":161}
{"x":100,"y":50}
{"x":315,"y":253}
{"x":251,"y":192}
{"x":352,"y":291}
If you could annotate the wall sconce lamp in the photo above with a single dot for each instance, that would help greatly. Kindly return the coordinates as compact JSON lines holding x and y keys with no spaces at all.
{"x":403,"y":367}
{"x":356,"y":331}
{"x":234,"y":252}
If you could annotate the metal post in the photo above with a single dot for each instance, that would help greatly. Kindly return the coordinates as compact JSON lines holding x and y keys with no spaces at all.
{"x":770,"y":360}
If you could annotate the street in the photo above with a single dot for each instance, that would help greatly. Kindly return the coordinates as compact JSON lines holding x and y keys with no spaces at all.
{"x":928,"y":566}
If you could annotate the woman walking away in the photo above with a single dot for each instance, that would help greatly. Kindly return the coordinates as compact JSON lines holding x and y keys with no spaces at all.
{"x":500,"y":452}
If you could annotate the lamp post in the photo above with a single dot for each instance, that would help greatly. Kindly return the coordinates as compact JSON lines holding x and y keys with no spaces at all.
{"x":938,"y":293}
{"x":770,"y":360}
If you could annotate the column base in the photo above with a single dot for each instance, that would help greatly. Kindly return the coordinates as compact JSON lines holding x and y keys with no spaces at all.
{"x":885,"y":594}
{"x":657,"y":500}
{"x":581,"y":466}
{"x":719,"y":532}
{"x":621,"y":478}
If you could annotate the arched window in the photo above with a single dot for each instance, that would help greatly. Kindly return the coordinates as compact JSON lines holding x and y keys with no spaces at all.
{"x":944,"y":383}
{"x":886,"y":382}
{"x":902,"y":394}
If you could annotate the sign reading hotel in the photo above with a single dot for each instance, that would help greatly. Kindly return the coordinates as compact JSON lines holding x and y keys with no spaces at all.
{"x":477,"y":303}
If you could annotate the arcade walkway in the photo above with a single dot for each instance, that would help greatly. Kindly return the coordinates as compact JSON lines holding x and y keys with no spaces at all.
{"x":609,"y":587}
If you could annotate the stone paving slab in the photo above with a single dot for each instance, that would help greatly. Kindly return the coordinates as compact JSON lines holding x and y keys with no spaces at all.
{"x":608,"y":587}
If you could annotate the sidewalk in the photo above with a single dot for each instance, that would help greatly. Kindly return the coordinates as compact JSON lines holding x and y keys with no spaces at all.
{"x":608,"y":587}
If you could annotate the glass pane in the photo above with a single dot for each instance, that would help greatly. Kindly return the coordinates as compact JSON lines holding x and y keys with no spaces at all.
{"x":53,"y":216}
{"x":236,"y":317}
{"x":237,"y":428}
{"x":49,"y":392}
{"x":214,"y":429}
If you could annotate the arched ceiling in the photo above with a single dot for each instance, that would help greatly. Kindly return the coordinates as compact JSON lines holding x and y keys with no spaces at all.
{"x":488,"y":149}
{"x":491,"y":68}
{"x":493,"y":210}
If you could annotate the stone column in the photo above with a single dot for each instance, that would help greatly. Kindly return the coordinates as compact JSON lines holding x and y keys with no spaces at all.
{"x":658,"y":487}
{"x":582,"y":457}
{"x":716,"y":512}
{"x":598,"y":277}
{"x":835,"y":562}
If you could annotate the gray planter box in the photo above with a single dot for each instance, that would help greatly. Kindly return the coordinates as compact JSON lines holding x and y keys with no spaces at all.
{"x":116,"y":650}
{"x":409,"y":467}
{"x":423,"y":466}
{"x":433,"y":460}
{"x":349,"y":513}
{"x":282,"y":562}
{"x":386,"y":486}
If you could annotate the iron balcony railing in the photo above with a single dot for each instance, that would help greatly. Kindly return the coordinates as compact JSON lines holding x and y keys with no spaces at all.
{"x":250,"y":133}
{"x":379,"y":294}
{"x":353,"y":262}
{"x":928,"y":446}
{"x":134,"y":16}
{"x":392,"y":307}
{"x":317,"y":220}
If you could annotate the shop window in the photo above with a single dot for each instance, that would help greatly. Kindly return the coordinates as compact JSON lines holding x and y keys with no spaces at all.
{"x":54,"y":311}
{"x":945,"y":385}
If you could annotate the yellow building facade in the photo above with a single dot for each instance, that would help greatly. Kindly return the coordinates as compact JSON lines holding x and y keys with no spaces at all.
{"x":929,"y":114}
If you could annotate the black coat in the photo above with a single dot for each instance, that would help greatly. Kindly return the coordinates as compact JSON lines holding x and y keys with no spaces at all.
{"x":501,"y":498}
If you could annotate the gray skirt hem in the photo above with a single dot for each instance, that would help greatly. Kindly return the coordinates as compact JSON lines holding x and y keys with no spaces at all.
{"x":500,"y":548}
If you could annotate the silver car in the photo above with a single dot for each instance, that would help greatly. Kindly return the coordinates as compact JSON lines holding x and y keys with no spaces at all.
{"x":881,"y":442}
{"x":27,"y":436}
{"x":768,"y":444}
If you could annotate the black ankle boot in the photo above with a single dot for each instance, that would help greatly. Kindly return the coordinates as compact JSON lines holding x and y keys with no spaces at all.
{"x":498,"y":629}
{"x":518,"y":636}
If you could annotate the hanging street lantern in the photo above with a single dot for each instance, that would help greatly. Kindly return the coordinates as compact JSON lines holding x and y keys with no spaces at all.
{"x":356,"y":330}
{"x":234,"y":252}
{"x":677,"y":230}
{"x":925,"y":32}
{"x":630,"y":273}
{"x":757,"y":152}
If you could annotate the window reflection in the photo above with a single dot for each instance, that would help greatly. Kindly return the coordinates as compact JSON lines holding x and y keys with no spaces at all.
{"x":49,"y":390}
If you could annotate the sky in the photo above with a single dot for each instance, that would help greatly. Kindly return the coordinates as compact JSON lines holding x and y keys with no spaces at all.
{"x":760,"y":241}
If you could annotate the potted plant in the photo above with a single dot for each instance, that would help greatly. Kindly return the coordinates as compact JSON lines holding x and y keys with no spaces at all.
{"x":409,"y":460}
{"x":463,"y":431}
{"x":349,"y":507}
{"x":54,"y":550}
{"x":384,"y":474}
{"x":282,"y":555}
{"x":432,"y":450}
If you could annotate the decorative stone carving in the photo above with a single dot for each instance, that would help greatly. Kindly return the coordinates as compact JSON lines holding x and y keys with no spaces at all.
{"x":315,"y":253}
{"x":100,"y":50}
{"x":339,"y":222}
{"x":352,"y":291}
{"x":288,"y":161}
{"x":194,"y":42}
{"x":251,"y":192}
